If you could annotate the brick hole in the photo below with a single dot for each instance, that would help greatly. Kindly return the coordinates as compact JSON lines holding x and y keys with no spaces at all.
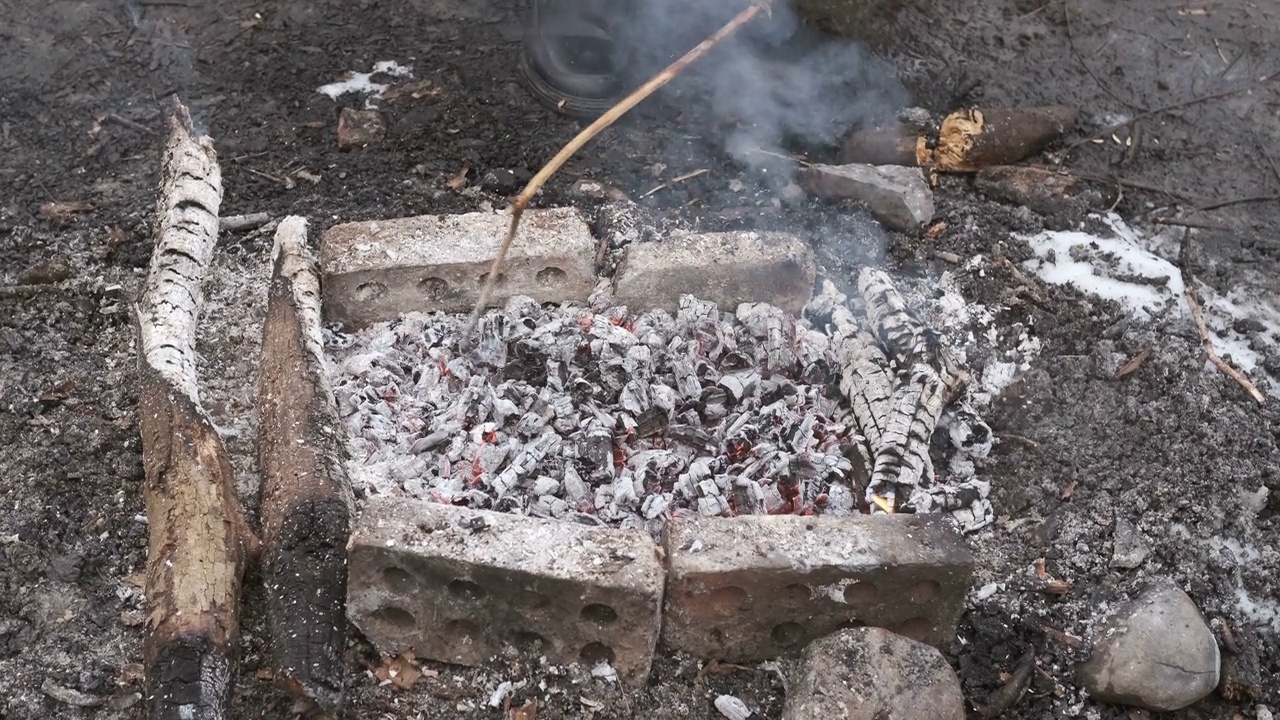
{"x":551,"y":276}
{"x":370,"y":291}
{"x":398,"y":579}
{"x":394,"y":618}
{"x":433,"y":287}
{"x":915,"y":628}
{"x":461,"y":632}
{"x":788,"y":634}
{"x":596,"y":653}
{"x":599,"y":613}
{"x":730,"y":600}
{"x":530,"y":642}
{"x":466,"y":590}
{"x":860,"y":593}
{"x":796,"y":592}
{"x":925,"y":591}
{"x":484,"y":277}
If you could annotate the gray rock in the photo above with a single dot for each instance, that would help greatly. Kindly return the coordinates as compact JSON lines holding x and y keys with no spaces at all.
{"x":1155,"y":652}
{"x":873,"y":674}
{"x":898,"y":196}
{"x":1128,"y":548}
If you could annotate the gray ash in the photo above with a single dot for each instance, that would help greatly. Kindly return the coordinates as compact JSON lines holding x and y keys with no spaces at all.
{"x":595,"y":415}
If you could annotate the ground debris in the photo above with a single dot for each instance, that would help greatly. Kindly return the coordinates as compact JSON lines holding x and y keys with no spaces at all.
{"x":69,"y":696}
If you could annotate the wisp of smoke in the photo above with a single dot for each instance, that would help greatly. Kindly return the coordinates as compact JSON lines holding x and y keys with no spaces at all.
{"x":777,"y":81}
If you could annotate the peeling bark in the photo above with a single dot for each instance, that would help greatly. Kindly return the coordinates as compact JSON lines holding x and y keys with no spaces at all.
{"x":199,"y":541}
{"x":306,"y":496}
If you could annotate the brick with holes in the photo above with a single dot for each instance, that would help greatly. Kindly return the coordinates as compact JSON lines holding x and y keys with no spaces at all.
{"x":756,"y":587}
{"x":726,"y":268}
{"x":376,"y":270}
{"x":461,"y":586}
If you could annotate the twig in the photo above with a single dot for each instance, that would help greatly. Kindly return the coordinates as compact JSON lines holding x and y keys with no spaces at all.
{"x":676,"y":181}
{"x":626,"y":104}
{"x":1206,"y":344}
{"x":1235,"y":201}
{"x":1179,"y":222}
{"x":236,"y":223}
{"x":797,"y":160}
{"x":1157,"y":111}
{"x":131,"y":124}
{"x":1071,"y":41}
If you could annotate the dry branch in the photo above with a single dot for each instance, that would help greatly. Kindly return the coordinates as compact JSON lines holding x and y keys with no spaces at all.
{"x":625,"y":105}
{"x":306,"y":497}
{"x":198,"y":541}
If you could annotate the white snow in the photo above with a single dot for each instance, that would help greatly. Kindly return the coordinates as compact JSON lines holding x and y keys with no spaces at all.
{"x":358,"y":82}
{"x":1132,"y":268}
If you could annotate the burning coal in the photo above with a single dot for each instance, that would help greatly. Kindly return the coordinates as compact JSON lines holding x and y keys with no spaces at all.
{"x":592,"y":414}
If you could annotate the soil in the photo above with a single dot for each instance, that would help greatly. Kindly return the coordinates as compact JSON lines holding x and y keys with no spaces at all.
{"x":1177,"y":450}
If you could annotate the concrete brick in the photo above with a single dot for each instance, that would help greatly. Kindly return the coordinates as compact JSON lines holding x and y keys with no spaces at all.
{"x":728,"y":268}
{"x":754,"y":587}
{"x":461,"y":586}
{"x":376,"y":270}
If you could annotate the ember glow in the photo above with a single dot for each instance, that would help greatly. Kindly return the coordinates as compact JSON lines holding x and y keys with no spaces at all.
{"x":596,"y":415}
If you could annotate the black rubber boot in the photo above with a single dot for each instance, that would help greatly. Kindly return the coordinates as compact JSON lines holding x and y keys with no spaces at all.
{"x":572,"y":58}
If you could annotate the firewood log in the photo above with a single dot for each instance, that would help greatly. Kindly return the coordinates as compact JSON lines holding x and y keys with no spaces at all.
{"x":306,"y":496}
{"x":199,"y":541}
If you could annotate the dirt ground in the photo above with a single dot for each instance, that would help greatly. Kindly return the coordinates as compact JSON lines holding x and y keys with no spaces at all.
{"x":1177,"y":450}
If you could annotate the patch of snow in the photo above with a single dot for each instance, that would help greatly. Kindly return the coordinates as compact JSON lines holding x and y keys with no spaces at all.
{"x":1131,"y":269}
{"x":362,"y":83}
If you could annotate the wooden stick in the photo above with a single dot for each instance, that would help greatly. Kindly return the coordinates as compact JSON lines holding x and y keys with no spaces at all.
{"x":1206,"y":344}
{"x":306,"y":496}
{"x":582,"y":138}
{"x":199,"y":541}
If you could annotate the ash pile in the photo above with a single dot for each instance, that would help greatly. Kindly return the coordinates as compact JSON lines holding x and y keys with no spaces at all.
{"x":589,"y":413}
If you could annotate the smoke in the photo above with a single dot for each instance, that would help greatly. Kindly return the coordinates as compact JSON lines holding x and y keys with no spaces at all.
{"x":776,"y":82}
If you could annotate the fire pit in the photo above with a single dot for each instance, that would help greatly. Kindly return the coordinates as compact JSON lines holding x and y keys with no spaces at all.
{"x":602,"y":429}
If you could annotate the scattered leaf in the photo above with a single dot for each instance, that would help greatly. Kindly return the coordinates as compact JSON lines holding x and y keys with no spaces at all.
{"x":459,"y":181}
{"x":61,"y":210}
{"x":528,"y":711}
{"x":1132,"y":364}
{"x":305,"y":174}
{"x":1069,"y":489}
{"x":67,"y":695}
{"x":265,"y":674}
{"x":398,"y":671}
{"x":935,"y":230}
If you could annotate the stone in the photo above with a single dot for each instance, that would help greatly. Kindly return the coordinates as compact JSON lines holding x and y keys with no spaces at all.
{"x":375,"y":271}
{"x":873,"y":674}
{"x":896,"y":195}
{"x":1154,"y":652}
{"x":1128,"y":550}
{"x":726,"y":268}
{"x":460,"y":586}
{"x":358,"y":128}
{"x":755,"y":587}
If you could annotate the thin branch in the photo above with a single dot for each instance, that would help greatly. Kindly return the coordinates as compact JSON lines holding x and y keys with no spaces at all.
{"x":1206,"y":344}
{"x":626,"y":104}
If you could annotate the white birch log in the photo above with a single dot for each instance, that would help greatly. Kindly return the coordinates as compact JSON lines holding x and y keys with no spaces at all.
{"x":199,"y":541}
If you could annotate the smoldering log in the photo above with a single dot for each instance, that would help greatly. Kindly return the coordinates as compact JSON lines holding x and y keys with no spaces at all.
{"x":967,"y":140}
{"x":306,"y":496}
{"x":199,"y":541}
